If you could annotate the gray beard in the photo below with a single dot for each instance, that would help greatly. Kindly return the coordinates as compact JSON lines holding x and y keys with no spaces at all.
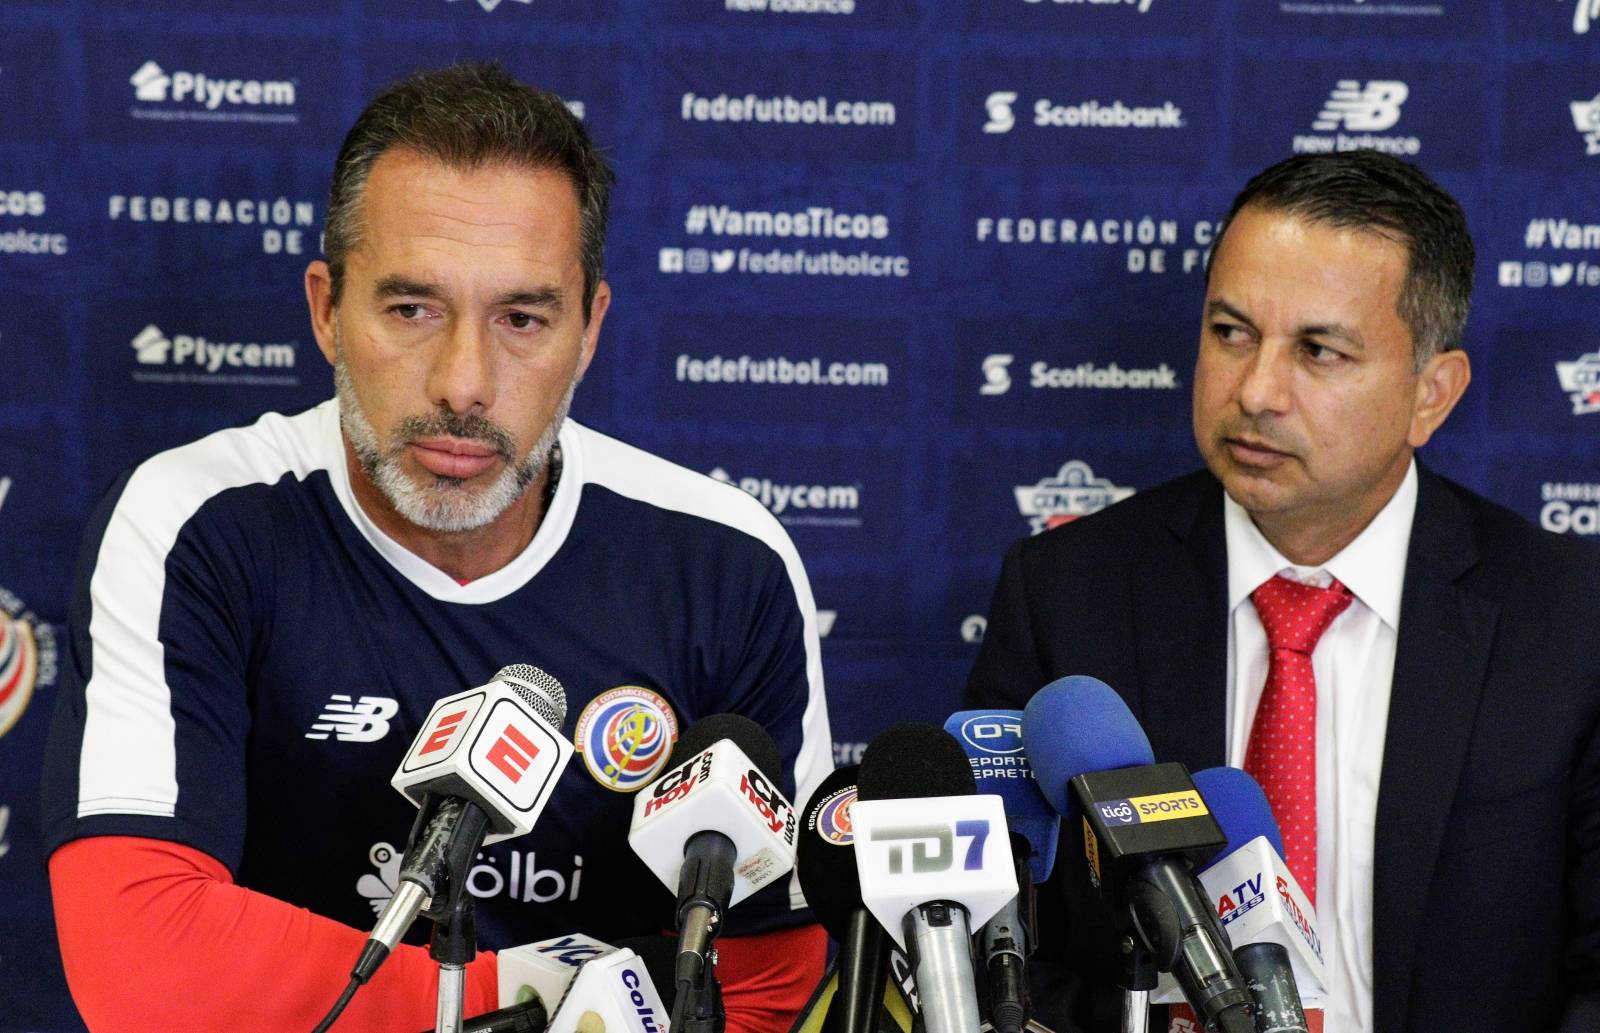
{"x":443,"y":504}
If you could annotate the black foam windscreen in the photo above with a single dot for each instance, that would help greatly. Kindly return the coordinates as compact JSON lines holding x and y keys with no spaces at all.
{"x":912,"y":760}
{"x":745,"y":734}
{"x":826,"y":855}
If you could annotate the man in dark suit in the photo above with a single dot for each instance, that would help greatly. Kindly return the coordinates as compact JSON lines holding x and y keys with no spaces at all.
{"x":1411,"y":671}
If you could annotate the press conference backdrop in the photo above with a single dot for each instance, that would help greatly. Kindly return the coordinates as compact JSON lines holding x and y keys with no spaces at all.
{"x":921,"y":277}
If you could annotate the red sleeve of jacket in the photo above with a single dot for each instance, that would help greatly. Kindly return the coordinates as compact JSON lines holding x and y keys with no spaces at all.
{"x":156,"y":938}
{"x":767,"y":978}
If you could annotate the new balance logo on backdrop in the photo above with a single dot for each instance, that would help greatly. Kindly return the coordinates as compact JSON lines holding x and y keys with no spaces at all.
{"x":355,"y":720}
{"x":1353,"y":113}
{"x":152,"y":85}
{"x":1372,"y":108}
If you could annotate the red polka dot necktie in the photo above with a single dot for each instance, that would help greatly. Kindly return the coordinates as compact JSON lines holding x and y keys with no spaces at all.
{"x":1282,"y":754}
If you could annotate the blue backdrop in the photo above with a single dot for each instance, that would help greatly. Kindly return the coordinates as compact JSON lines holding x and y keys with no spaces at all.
{"x":923,"y":277}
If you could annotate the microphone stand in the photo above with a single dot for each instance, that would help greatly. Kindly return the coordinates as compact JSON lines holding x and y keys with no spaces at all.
{"x":453,"y":945}
{"x":697,"y":1007}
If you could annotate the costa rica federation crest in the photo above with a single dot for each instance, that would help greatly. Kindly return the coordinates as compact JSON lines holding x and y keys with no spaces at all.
{"x":625,"y":736}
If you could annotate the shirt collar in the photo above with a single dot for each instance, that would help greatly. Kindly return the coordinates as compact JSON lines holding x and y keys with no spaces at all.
{"x":1373,"y":566}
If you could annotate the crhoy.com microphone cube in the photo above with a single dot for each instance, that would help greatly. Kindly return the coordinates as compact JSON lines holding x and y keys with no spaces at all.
{"x":489,"y":746}
{"x":723,"y":790}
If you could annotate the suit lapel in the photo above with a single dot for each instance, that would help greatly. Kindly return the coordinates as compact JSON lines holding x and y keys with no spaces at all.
{"x":1440,"y":662}
{"x":1180,"y":631}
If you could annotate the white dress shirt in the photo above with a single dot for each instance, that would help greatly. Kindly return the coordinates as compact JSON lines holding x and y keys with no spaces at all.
{"x":1354,"y":667}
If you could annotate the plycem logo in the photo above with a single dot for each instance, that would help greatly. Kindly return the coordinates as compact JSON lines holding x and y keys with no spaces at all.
{"x":152,"y":347}
{"x":815,"y":499}
{"x":178,"y":93}
{"x":150,"y":83}
{"x":1581,"y":381}
{"x":1586,"y":116}
{"x":1363,"y":111}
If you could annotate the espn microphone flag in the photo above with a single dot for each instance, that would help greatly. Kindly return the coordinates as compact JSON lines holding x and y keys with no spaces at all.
{"x":498,"y":746}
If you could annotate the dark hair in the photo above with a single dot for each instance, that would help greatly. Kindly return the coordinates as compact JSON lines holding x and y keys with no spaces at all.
{"x":1366,"y":190}
{"x":465,"y":116}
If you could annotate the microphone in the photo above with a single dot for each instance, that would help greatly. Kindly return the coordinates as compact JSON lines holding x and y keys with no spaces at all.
{"x":933,"y":857}
{"x":580,"y":983}
{"x":715,"y":829}
{"x":826,"y":862}
{"x":1145,"y":829}
{"x":1259,"y":902}
{"x":992,"y":740}
{"x":480,"y":771}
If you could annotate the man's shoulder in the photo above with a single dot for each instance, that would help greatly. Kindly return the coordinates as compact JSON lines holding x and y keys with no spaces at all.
{"x":1509,"y":544}
{"x":161,"y":495}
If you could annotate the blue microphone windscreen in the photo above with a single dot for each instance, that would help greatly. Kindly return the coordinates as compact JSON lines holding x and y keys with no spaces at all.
{"x":1240,"y":807}
{"x":992,"y":740}
{"x":1076,"y":725}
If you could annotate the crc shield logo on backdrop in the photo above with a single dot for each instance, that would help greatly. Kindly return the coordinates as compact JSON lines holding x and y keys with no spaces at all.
{"x":1073,"y":492}
{"x":1581,"y":381}
{"x":1353,"y":113}
{"x":27,"y":650}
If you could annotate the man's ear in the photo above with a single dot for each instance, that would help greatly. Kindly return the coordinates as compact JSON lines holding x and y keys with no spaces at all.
{"x":319,"y":299}
{"x":591,"y":333}
{"x":1440,"y":385}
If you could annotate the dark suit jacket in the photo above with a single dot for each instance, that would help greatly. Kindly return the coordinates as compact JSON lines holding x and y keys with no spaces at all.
{"x":1486,"y":908}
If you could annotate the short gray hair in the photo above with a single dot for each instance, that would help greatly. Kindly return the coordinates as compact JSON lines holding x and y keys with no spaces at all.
{"x":466,"y":116}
